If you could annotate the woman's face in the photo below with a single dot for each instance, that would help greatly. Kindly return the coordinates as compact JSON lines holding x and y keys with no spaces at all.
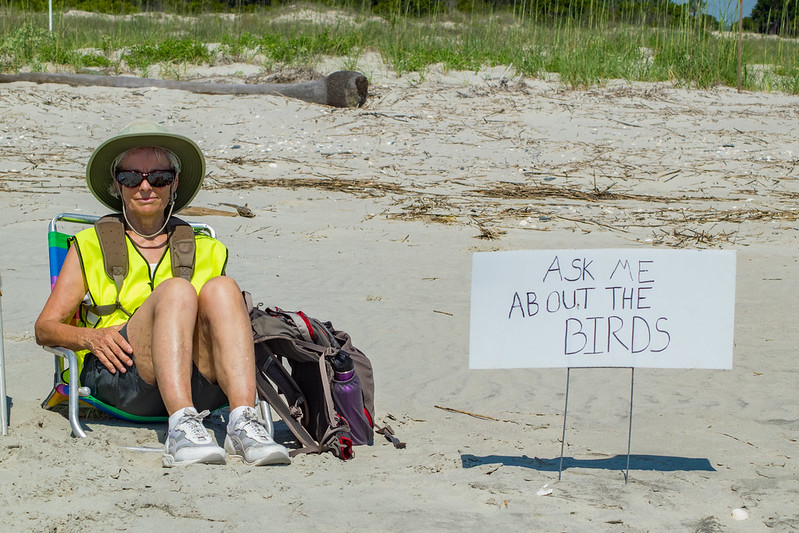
{"x":145,"y":200}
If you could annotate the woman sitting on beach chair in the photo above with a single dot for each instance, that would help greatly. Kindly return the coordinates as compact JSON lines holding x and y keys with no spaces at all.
{"x":165,"y":331}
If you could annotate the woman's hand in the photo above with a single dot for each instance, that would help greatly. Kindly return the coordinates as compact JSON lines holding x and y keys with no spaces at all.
{"x":109,"y":347}
{"x":53,"y":326}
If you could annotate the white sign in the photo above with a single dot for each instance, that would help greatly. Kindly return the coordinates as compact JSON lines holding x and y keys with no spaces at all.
{"x":594,"y":308}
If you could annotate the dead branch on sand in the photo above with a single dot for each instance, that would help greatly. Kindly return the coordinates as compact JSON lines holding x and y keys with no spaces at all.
{"x":343,"y":88}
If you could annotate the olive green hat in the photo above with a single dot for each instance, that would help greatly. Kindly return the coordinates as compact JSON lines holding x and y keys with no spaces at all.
{"x":141,"y":132}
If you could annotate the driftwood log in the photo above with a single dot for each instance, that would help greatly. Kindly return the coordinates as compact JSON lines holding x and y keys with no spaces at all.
{"x":344,"y":88}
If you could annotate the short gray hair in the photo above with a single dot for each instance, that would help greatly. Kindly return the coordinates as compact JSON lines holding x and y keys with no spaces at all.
{"x":173,"y":161}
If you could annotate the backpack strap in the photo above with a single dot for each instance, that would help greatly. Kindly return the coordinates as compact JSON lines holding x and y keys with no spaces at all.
{"x":303,"y":325}
{"x":340,"y":446}
{"x":181,"y":248}
{"x":248,"y":302}
{"x":111,"y":235}
{"x":288,"y":415}
{"x":335,"y":420}
{"x":269,"y":370}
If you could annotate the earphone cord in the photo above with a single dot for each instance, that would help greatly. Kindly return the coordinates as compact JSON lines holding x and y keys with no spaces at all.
{"x":172,"y":196}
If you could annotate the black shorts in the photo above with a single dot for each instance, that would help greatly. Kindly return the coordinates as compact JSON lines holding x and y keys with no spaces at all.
{"x":131,"y":394}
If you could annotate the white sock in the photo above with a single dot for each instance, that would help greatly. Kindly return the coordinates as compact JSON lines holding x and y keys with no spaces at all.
{"x":177,"y":415}
{"x":236,"y":413}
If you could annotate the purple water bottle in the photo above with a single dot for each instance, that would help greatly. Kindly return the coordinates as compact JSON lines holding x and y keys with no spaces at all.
{"x":348,"y":399}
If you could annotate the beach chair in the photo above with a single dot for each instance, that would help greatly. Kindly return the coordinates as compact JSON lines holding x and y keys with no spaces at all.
{"x":66,"y":386}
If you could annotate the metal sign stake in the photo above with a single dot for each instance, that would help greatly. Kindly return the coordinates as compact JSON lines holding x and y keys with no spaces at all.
{"x":629,"y":431}
{"x":3,"y":399}
{"x":565,"y":409}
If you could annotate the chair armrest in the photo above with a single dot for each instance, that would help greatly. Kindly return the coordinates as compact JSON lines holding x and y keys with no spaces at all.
{"x":74,"y":389}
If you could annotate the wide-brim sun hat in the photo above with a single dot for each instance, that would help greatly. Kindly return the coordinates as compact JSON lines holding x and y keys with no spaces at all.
{"x":139,"y":133}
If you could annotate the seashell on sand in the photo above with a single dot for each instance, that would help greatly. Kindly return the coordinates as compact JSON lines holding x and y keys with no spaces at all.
{"x":544,"y":491}
{"x":739,"y":514}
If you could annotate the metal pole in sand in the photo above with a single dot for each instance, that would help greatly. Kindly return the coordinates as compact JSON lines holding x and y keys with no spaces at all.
{"x":565,"y":409}
{"x":630,"y":431}
{"x":3,"y":400}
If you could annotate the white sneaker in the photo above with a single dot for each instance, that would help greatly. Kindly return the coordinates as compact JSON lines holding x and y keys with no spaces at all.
{"x":249,"y":440}
{"x":189,"y":442}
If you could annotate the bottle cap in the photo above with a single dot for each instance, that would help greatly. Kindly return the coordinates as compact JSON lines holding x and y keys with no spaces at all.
{"x":342,"y":362}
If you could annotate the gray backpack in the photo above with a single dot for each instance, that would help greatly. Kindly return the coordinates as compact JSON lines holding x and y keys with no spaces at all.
{"x":309,"y":347}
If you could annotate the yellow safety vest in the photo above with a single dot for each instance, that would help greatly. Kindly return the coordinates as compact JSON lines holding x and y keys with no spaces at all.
{"x":210,"y":261}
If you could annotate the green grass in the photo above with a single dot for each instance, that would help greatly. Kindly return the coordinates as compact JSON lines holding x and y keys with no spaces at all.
{"x":169,"y":51}
{"x":586,"y":42}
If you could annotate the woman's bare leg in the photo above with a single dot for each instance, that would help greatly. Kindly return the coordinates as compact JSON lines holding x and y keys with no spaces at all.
{"x":224,"y":353}
{"x":223,"y":346}
{"x":161,"y":333}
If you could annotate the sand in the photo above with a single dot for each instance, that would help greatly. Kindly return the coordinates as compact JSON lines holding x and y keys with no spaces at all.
{"x":368,"y":217}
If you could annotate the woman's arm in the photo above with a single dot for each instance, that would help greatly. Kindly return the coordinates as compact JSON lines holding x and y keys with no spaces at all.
{"x":53,"y":328}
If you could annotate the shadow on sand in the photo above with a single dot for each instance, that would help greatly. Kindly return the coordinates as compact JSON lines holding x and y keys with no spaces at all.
{"x":660,"y":463}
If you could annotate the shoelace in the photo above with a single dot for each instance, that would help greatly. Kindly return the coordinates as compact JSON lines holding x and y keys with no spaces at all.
{"x":253,"y":427}
{"x":192,"y":424}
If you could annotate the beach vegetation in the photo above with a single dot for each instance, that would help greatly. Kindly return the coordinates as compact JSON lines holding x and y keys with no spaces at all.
{"x":776,"y":17}
{"x":581,"y":42}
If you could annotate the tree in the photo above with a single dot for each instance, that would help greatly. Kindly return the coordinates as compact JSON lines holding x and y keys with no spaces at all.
{"x":697,"y":7}
{"x":779,"y":17}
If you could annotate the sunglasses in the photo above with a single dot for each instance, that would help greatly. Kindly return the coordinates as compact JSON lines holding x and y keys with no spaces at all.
{"x":156,"y":178}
